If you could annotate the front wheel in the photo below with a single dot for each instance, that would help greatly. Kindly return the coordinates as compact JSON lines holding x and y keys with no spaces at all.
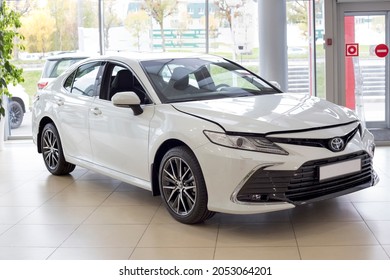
{"x":52,"y":152}
{"x":182,"y":186}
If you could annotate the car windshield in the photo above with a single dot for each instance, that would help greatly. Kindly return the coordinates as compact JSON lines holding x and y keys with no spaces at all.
{"x":188,"y":79}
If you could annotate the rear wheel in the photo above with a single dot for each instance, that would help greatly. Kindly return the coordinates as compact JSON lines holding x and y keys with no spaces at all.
{"x":16,"y":114}
{"x":182,"y":186}
{"x":52,"y":152}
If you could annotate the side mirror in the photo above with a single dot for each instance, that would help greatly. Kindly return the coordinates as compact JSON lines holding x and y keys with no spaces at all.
{"x":128,"y":99}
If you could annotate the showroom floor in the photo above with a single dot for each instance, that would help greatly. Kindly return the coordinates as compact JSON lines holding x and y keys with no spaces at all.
{"x":90,"y":216}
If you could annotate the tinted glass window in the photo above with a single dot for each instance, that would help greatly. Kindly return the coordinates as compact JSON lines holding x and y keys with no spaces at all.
{"x":187,"y":79}
{"x":69,"y":81}
{"x":84,"y":79}
{"x":120,"y":79}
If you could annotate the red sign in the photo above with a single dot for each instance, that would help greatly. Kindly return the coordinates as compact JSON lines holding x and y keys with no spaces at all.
{"x":382,"y":50}
{"x":351,"y":49}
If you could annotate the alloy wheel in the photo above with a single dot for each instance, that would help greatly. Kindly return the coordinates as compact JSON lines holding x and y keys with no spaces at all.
{"x":179,"y":186}
{"x":50,"y":149}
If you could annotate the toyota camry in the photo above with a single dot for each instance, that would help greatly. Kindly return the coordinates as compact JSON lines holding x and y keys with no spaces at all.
{"x":201,"y":131}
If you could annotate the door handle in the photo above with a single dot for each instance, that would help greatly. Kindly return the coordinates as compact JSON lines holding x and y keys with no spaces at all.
{"x":59,"y":101}
{"x":96,"y":111}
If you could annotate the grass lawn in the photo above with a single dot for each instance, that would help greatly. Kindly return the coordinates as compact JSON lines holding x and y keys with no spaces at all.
{"x":30,"y":81}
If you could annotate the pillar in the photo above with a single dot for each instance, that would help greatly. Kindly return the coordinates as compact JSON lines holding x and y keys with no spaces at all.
{"x":273,"y":41}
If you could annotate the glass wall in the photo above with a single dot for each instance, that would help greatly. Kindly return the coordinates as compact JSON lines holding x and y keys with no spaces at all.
{"x":224,"y":27}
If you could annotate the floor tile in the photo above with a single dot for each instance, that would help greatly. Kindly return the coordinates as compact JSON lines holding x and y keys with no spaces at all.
{"x":333,"y":233}
{"x":179,"y":235}
{"x":182,"y":253}
{"x":86,"y":215}
{"x":387,"y":249}
{"x":374,"y":211}
{"x":257,"y":253}
{"x":132,"y":214}
{"x":375,"y":252}
{"x":325,"y":211}
{"x":373,"y":194}
{"x":48,"y":186}
{"x":51,"y":215}
{"x":381,"y":230}
{"x":102,"y":185}
{"x":91,"y":254}
{"x":76,"y":198}
{"x":255,"y":235}
{"x":4,"y":228}
{"x":24,"y":199}
{"x":272,"y":217}
{"x":36,"y":235}
{"x":25,"y":253}
{"x":162,"y":216}
{"x":142,"y":197}
{"x":111,"y":236}
{"x":12,"y":215}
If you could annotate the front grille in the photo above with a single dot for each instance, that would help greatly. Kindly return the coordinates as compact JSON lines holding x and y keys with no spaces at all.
{"x":303,"y":184}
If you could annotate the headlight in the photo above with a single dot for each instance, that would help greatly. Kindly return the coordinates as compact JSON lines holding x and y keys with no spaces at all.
{"x":250,"y":143}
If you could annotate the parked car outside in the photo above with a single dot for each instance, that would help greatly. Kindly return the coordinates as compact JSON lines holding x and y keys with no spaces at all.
{"x":201,"y":131}
{"x":18,"y":105}
{"x":56,"y":64}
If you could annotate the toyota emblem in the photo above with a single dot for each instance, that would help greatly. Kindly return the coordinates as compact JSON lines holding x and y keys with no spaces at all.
{"x":337,"y":144}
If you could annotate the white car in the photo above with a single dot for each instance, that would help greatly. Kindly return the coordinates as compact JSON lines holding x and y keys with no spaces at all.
{"x":56,"y":64}
{"x":201,"y":131}
{"x":18,"y":105}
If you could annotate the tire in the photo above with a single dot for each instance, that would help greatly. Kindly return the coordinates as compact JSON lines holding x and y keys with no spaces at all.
{"x":16,"y":114}
{"x":182,"y":186}
{"x":52,"y":152}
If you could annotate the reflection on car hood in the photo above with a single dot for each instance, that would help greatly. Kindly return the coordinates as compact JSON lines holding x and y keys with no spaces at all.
{"x":269,"y":113}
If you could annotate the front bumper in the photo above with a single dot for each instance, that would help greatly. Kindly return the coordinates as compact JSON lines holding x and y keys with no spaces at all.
{"x":304,"y":185}
{"x":244,"y":182}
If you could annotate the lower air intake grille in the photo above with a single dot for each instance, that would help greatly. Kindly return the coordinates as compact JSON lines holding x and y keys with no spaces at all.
{"x":303,"y":184}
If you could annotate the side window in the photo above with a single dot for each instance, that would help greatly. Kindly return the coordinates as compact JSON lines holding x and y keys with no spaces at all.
{"x":83,"y":80}
{"x":118,"y":79}
{"x":69,"y":82}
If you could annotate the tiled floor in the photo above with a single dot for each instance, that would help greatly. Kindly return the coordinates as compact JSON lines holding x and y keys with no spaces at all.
{"x":90,"y":216}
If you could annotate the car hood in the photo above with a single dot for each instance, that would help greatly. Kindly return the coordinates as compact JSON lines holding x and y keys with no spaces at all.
{"x":269,"y":113}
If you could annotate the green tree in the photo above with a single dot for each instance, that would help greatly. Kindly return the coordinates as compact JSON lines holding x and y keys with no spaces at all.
{"x":88,"y":14}
{"x":159,"y":10}
{"x":297,"y":13}
{"x":137,"y":23}
{"x":227,"y":10}
{"x":111,"y":19}
{"x":38,"y":29}
{"x":9,"y":73}
{"x":63,"y":12}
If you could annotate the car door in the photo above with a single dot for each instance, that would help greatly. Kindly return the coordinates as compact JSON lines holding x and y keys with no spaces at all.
{"x":119,"y":138}
{"x":74,"y":108}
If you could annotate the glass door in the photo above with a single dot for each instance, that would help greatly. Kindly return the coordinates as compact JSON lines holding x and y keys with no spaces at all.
{"x":364,"y":69}
{"x":366,"y":78}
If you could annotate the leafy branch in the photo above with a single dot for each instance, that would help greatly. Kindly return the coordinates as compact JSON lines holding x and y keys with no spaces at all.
{"x":9,"y":73}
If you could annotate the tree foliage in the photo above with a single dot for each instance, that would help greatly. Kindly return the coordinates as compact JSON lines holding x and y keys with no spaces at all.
{"x":137,"y":23}
{"x":297,"y":13}
{"x":159,"y":10}
{"x":9,"y":73}
{"x":38,"y":29}
{"x":63,"y":12}
{"x":111,"y":19}
{"x":227,"y":11}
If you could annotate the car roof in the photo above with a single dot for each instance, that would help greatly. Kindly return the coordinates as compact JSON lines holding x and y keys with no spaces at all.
{"x":68,"y":55}
{"x":143,"y":56}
